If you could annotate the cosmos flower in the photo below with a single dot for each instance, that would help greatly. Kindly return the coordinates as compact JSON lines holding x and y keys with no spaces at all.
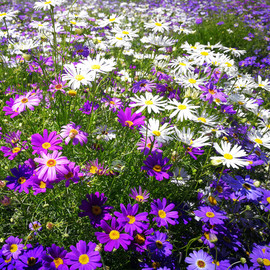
{"x":83,"y":256}
{"x":199,"y":260}
{"x":163,"y":213}
{"x":50,"y":164}
{"x":156,"y":166}
{"x":94,"y":207}
{"x":126,"y":118}
{"x":45,"y":143}
{"x":208,"y":214}
{"x":130,"y":220}
{"x":139,"y":196}
{"x":13,"y":247}
{"x":112,"y":236}
{"x":72,"y":132}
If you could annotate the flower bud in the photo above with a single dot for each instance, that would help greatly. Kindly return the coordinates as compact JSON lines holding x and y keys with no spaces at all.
{"x":78,"y":31}
{"x":6,"y":201}
{"x":98,"y":247}
{"x":2,"y":184}
{"x":243,"y":260}
{"x":49,"y":225}
{"x":72,"y":93}
{"x":216,"y":162}
{"x":26,"y":56}
{"x":257,"y":183}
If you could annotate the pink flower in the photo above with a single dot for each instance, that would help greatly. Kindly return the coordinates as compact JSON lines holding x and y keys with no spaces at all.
{"x":29,"y":100}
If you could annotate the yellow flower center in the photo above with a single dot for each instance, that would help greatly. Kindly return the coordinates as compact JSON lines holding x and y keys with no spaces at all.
{"x":48,"y":2}
{"x":84,"y":259}
{"x":7,"y":261}
{"x":112,"y":19}
{"x":182,"y":107}
{"x":259,"y":141}
{"x":159,"y":244}
{"x":204,"y":53}
{"x":212,"y":200}
{"x":114,"y":235}
{"x":21,"y":180}
{"x":129,"y":123}
{"x":161,"y":213}
{"x":250,"y":162}
{"x":95,"y":67}
{"x":192,"y":81}
{"x":93,"y":169}
{"x":266,"y":262}
{"x":139,"y":238}
{"x":74,"y":23}
{"x":40,"y":24}
{"x":42,"y":184}
{"x":13,"y":248}
{"x":228,"y":156}
{"x":73,"y":133}
{"x":210,"y":214}
{"x":202,"y":119}
{"x":148,"y":102}
{"x":58,"y":86}
{"x":228,"y":64}
{"x":156,"y":132}
{"x":31,"y":261}
{"x":261,"y":85}
{"x":206,"y":235}
{"x":139,"y":198}
{"x":51,"y":163}
{"x":46,"y":145}
{"x":193,"y":47}
{"x":182,"y":64}
{"x":158,"y":24}
{"x":132,"y":219}
{"x":215,"y":262}
{"x":16,"y":149}
{"x":3,"y":14}
{"x":24,"y":100}
{"x":79,"y":77}
{"x":157,"y":168}
{"x":268,"y":199}
{"x":219,"y":189}
{"x":211,"y":91}
{"x":119,"y":38}
{"x":125,"y":32}
{"x":57,"y":262}
{"x":96,"y":210}
{"x":240,"y":103}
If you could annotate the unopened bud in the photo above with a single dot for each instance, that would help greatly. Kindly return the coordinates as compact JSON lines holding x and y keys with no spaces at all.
{"x":248,"y":208}
{"x":78,"y":31}
{"x":72,"y":93}
{"x":243,"y":260}
{"x":216,"y":162}
{"x":260,"y":261}
{"x":257,"y":183}
{"x":2,"y":184}
{"x":26,"y":56}
{"x":49,"y":225}
{"x":98,"y":247}
{"x":213,"y":238}
{"x":5,"y":201}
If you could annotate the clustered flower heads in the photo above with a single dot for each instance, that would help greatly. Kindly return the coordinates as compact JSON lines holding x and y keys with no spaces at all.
{"x":124,"y":147}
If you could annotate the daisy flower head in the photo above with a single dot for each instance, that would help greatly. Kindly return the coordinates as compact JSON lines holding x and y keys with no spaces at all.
{"x":127,"y":119}
{"x":260,"y":256}
{"x":234,"y":51}
{"x":112,"y":236}
{"x":152,"y":103}
{"x":50,"y":164}
{"x":190,"y":79}
{"x":94,"y":207}
{"x":111,"y":20}
{"x":149,"y":144}
{"x":126,"y":33}
{"x":265,"y":84}
{"x":139,"y":196}
{"x":184,"y":110}
{"x":77,"y":75}
{"x":13,"y":248}
{"x":157,"y":166}
{"x":258,"y":139}
{"x":143,"y":86}
{"x":208,"y":214}
{"x":72,"y":132}
{"x":12,"y":152}
{"x":157,"y":26}
{"x":231,"y":155}
{"x":105,"y":133}
{"x":200,"y":260}
{"x":44,"y":5}
{"x":181,"y":65}
{"x":94,"y":168}
{"x":35,"y":226}
{"x":28,"y":100}
{"x":83,"y":256}
{"x":163,"y":213}
{"x":161,"y":134}
{"x":158,"y":41}
{"x":205,"y":119}
{"x":8,"y":15}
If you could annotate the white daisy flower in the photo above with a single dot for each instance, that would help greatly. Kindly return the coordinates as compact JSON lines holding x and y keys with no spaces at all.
{"x":201,"y":56}
{"x":160,"y":133}
{"x":44,"y":5}
{"x":181,"y":65}
{"x":205,"y":119}
{"x":158,"y":40}
{"x":125,"y":33}
{"x":231,"y":155}
{"x":234,"y":51}
{"x":111,"y":20}
{"x":190,"y":80}
{"x":152,"y":103}
{"x":263,"y":84}
{"x":259,"y":139}
{"x":183,"y":110}
{"x":77,"y":75}
{"x":157,"y":26}
{"x":8,"y":15}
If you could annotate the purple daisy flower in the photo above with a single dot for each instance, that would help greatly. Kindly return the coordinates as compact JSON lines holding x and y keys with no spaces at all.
{"x":130,"y":220}
{"x":55,"y":258}
{"x":146,"y":143}
{"x":50,"y":164}
{"x":31,"y":259}
{"x":73,"y":132}
{"x":39,"y":186}
{"x":142,"y":86}
{"x":92,"y":168}
{"x":95,"y":209}
{"x":13,"y":137}
{"x":158,"y":244}
{"x":156,"y":166}
{"x":73,"y":174}
{"x":13,"y":248}
{"x":8,"y":109}
{"x":20,"y":181}
{"x":126,"y":118}
{"x":266,"y":199}
{"x":45,"y":143}
{"x":113,"y":236}
{"x":83,"y":256}
{"x":35,"y":226}
{"x":58,"y":85}
{"x":12,"y":152}
{"x":88,"y":107}
{"x":7,"y":264}
{"x":260,"y":256}
{"x":113,"y":103}
{"x":210,"y":93}
{"x":193,"y":151}
{"x":199,"y":260}
{"x":164,"y":215}
{"x":139,"y":196}
{"x":208,"y":214}
{"x":139,"y":242}
{"x":81,"y":50}
{"x":25,"y":101}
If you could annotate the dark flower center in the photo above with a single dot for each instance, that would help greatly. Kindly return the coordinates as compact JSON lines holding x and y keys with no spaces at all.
{"x":31,"y":261}
{"x":159,"y":244}
{"x":201,"y":264}
{"x":21,"y":180}
{"x":69,"y":175}
{"x":139,"y":238}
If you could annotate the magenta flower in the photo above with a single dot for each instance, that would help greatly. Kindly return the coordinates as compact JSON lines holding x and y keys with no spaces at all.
{"x":164,"y":215}
{"x":73,"y":174}
{"x":12,"y":248}
{"x":58,"y":85}
{"x":12,"y":152}
{"x":45,"y":143}
{"x":39,"y":186}
{"x":26,"y":101}
{"x":210,"y":215}
{"x":145,"y":145}
{"x":83,"y":256}
{"x":73,"y":132}
{"x":113,"y":103}
{"x":126,"y":118}
{"x":113,"y":236}
{"x":157,"y":167}
{"x":50,"y":164}
{"x":13,"y":137}
{"x":8,"y":109}
{"x":130,"y":220}
{"x":88,"y":107}
{"x":139,"y":196}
